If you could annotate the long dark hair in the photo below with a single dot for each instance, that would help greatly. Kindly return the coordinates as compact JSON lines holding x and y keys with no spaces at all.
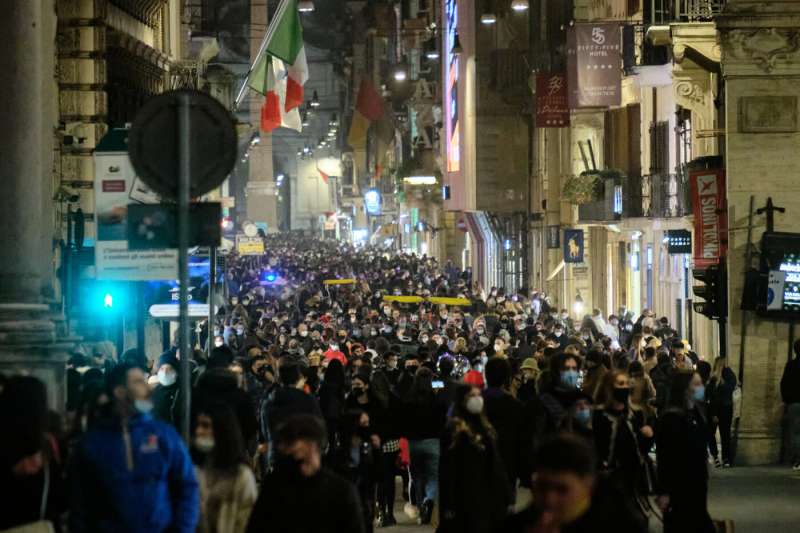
{"x":679,"y":390}
{"x":229,"y":450}
{"x":334,"y":374}
{"x":422,"y":388}
{"x":476,"y":428}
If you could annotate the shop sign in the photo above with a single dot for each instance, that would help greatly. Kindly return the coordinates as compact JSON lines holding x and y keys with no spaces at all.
{"x":710,"y":216}
{"x":552,"y":107}
{"x":249,"y":245}
{"x":573,"y":246}
{"x":594,"y":65}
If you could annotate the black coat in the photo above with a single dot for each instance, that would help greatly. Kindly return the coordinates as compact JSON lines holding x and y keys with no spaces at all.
{"x":506,"y":416}
{"x":325,"y":503}
{"x":682,"y":451}
{"x":790,"y":382}
{"x":473,"y":488}
{"x":220,"y":386}
{"x":609,"y":511}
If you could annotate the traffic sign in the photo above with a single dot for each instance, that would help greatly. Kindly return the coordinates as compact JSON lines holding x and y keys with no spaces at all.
{"x":154,"y":143}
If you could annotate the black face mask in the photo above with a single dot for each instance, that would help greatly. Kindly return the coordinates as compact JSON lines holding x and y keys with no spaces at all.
{"x":621,"y":395}
{"x":358,"y":391}
{"x":288,"y":466}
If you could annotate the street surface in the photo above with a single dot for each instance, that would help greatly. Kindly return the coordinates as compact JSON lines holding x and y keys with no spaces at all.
{"x":758,"y":500}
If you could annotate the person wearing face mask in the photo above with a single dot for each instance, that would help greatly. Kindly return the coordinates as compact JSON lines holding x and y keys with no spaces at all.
{"x":559,"y":336}
{"x":682,"y":457}
{"x":129,"y":457}
{"x":505,"y":413}
{"x":358,"y":459}
{"x":558,"y":392}
{"x":570,"y":496}
{"x":166,"y":402}
{"x":300,"y":494}
{"x":474,"y":491}
{"x":622,"y":438}
{"x":227,"y":484}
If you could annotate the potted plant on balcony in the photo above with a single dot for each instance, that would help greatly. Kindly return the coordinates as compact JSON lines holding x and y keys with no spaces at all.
{"x":584,"y":188}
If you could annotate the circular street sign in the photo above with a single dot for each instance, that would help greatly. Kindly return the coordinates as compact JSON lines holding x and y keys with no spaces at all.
{"x":250,"y":229}
{"x":154,"y":136}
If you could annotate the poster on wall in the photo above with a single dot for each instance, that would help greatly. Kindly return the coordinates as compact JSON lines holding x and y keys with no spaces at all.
{"x":552,"y":107}
{"x":594,"y":61}
{"x":116,"y":186}
{"x":710,"y":216}
{"x":573,"y":246}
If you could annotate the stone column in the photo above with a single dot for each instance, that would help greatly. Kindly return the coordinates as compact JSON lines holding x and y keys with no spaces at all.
{"x":761,"y":66}
{"x":27,"y":333}
{"x":260,"y":189}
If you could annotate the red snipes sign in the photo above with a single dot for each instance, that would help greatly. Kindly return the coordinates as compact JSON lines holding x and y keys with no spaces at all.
{"x":710,"y":216}
{"x":552,"y":109}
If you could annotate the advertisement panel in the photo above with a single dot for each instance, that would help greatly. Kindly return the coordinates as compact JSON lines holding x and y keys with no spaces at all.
{"x":451,"y":104}
{"x":552,"y":107}
{"x":710,"y":216}
{"x":249,"y":245}
{"x":116,"y":186}
{"x":594,"y":64}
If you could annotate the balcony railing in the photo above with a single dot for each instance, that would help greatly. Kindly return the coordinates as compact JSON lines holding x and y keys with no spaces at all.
{"x":666,"y":11}
{"x":664,"y":195}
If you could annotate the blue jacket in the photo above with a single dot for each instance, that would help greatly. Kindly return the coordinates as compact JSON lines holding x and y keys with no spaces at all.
{"x":139,"y":480}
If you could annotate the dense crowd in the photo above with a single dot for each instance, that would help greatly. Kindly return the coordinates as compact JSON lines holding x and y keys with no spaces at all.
{"x":333,"y":371}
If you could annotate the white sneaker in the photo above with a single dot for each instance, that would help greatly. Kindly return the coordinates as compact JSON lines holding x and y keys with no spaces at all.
{"x":796,"y":466}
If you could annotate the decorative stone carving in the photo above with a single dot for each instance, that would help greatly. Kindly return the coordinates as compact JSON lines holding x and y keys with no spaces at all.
{"x":690,"y":92}
{"x":768,"y":114}
{"x":765,"y":46}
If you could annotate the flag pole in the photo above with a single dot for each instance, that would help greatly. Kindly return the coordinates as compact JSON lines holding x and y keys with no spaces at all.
{"x":267,"y":36}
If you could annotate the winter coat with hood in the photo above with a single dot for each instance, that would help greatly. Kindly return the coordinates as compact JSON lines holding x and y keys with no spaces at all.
{"x":133,"y":477}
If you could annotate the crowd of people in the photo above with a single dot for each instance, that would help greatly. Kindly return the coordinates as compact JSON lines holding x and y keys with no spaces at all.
{"x":333,"y":371}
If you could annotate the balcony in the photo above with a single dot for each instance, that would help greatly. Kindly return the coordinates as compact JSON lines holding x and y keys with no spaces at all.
{"x":660,"y":196}
{"x":665,"y":11}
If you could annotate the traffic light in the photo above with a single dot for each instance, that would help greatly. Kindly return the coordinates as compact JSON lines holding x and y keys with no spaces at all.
{"x":714,"y":291}
{"x":103,"y":298}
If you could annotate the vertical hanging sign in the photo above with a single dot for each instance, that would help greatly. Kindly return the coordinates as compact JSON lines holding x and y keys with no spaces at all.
{"x":552,"y":109}
{"x":593,"y":65}
{"x":710,"y":216}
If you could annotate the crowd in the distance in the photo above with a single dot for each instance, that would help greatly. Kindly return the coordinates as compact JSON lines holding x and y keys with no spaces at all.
{"x":310,"y":400}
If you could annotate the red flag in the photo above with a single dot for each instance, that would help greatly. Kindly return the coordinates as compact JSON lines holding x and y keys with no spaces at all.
{"x":369,"y":102}
{"x":323,"y":175}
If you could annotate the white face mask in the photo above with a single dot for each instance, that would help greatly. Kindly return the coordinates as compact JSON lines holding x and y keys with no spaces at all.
{"x":498,"y":347}
{"x":304,"y":333}
{"x":167,"y":378}
{"x":475,"y":405}
{"x":143,"y":406}
{"x":204,"y":444}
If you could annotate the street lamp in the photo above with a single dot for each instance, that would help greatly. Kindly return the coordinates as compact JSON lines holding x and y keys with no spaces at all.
{"x":305,"y":6}
{"x":431,"y":51}
{"x":315,"y":100}
{"x":488,"y":16}
{"x":520,"y":5}
{"x":400,"y":73}
{"x":305,"y":120}
{"x":577,"y":307}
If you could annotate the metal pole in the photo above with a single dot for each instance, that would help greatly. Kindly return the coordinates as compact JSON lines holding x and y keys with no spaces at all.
{"x":184,"y":180}
{"x":747,"y":259}
{"x":212,"y":294}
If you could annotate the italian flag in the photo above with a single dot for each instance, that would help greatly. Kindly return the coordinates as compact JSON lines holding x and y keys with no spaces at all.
{"x":281,"y":70}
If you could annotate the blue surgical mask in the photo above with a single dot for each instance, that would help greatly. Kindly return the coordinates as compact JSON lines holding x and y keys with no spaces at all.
{"x":699,"y":394}
{"x":143,"y":406}
{"x":569,"y":378}
{"x":582,"y":416}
